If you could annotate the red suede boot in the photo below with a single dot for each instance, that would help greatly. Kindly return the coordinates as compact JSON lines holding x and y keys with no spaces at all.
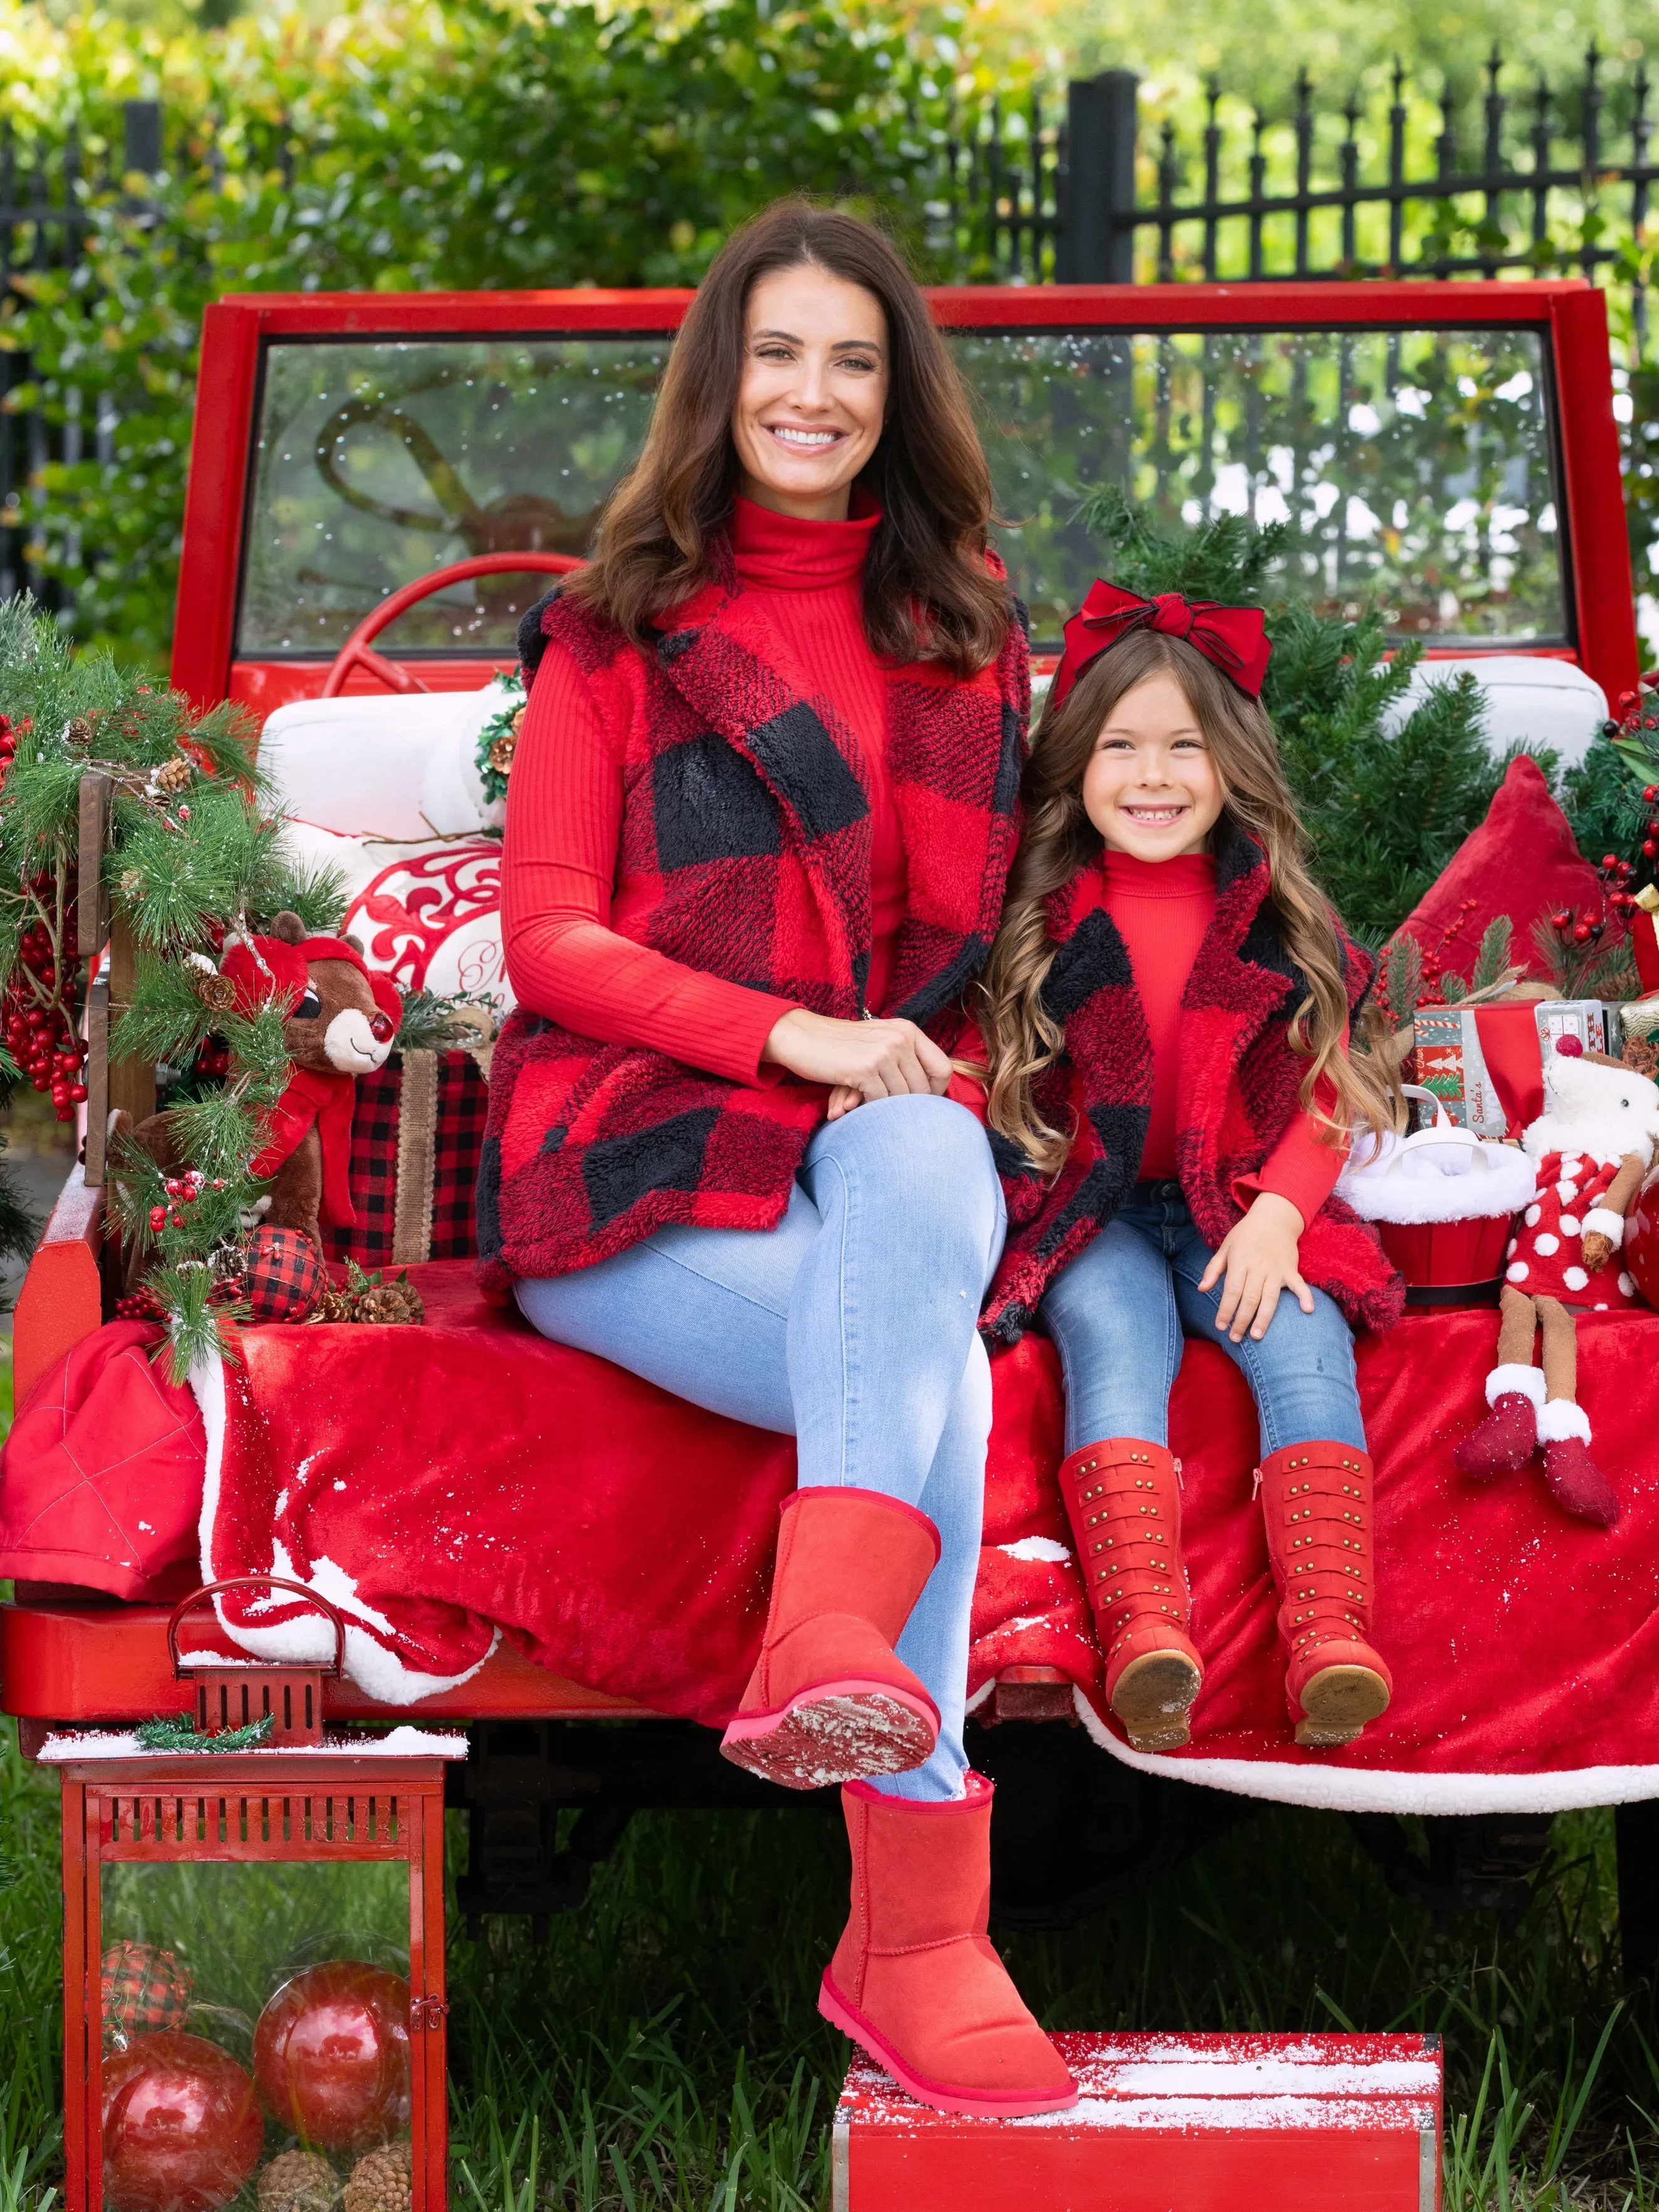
{"x":1123,"y":1499}
{"x":828,"y":1701}
{"x":1316,"y":1500}
{"x":914,"y":1980}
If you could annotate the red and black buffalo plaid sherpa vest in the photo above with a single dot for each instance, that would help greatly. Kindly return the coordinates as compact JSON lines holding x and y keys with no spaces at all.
{"x":745,"y":816}
{"x":1238,"y":1086}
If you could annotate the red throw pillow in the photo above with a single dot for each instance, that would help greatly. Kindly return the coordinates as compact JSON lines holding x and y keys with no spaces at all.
{"x":1520,"y":861}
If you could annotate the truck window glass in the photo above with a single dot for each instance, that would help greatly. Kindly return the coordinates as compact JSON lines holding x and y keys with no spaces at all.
{"x":1414,"y":467}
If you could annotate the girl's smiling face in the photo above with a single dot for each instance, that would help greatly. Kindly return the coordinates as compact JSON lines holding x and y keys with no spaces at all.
{"x":1151,"y":788}
{"x":814,"y":392}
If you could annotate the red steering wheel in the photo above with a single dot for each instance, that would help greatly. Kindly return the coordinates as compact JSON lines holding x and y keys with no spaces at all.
{"x":358,"y":651}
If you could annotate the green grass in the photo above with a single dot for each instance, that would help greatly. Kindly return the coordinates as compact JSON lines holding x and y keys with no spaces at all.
{"x":661,"y":2050}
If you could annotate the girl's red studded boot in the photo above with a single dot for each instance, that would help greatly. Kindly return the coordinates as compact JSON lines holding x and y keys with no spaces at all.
{"x":1123,"y":1498}
{"x":1316,"y":1500}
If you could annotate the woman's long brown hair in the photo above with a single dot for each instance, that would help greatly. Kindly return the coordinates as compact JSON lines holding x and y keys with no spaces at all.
{"x":1022,"y":1037}
{"x":926,"y":590}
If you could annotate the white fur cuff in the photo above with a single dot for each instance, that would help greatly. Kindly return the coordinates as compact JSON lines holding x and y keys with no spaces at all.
{"x":1503,"y":1381}
{"x":1605,"y":1223}
{"x":1560,"y":1419}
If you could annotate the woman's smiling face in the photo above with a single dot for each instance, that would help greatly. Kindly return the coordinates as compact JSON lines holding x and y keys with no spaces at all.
{"x":814,"y":392}
{"x":1151,"y":788}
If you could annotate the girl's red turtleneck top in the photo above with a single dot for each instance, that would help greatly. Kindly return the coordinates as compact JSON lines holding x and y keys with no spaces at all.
{"x":560,"y":912}
{"x":1162,"y":910}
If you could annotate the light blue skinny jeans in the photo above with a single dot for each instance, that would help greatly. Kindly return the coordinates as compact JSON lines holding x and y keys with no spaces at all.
{"x":1118,"y":1313}
{"x":852,"y":1327}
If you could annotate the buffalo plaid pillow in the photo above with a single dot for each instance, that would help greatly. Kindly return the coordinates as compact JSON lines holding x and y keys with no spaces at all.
{"x":463,"y":1108}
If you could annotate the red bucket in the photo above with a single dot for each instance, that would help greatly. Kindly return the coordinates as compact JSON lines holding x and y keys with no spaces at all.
{"x":1449,"y":1263}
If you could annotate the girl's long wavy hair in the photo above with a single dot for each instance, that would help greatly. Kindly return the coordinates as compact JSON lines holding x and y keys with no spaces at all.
{"x":926,"y":590}
{"x":1023,"y":1038}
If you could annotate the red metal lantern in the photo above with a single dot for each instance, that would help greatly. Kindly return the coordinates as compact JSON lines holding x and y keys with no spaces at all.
{"x":300,"y":1888}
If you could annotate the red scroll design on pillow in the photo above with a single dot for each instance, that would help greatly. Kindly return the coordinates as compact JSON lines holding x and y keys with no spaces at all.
{"x":410,"y":912}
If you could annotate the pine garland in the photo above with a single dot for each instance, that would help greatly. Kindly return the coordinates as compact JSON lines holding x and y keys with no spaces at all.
{"x":193,"y":850}
{"x":178,"y":1732}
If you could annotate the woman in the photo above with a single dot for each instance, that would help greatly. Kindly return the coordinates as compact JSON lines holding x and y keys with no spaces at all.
{"x":762,"y":813}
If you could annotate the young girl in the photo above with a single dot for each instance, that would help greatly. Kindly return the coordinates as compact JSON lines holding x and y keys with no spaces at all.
{"x":1166,"y":1010}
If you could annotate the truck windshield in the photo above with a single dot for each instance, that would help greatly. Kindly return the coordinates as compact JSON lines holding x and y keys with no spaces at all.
{"x":1412,"y":467}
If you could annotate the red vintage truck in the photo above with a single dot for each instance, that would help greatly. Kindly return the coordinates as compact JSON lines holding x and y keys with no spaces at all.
{"x":380,"y":485}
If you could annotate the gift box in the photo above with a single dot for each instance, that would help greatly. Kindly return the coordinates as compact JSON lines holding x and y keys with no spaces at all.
{"x":1208,"y":2123}
{"x":1444,"y":1201}
{"x":417,"y":1130}
{"x":1484,"y":1064}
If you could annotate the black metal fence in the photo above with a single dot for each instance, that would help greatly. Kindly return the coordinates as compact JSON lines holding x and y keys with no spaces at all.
{"x":1520,"y":176}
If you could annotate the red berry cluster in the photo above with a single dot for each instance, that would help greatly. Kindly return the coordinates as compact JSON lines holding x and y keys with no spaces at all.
{"x":36,"y":1024}
{"x":182,"y":1191}
{"x":1583,"y":928}
{"x":212,"y":1059}
{"x":141,"y":1304}
{"x":1434,"y":963}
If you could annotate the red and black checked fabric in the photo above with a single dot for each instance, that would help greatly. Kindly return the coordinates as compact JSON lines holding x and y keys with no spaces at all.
{"x":144,"y":1990}
{"x":463,"y":1111}
{"x":282,"y":1275}
{"x":747,"y":826}
{"x":1240,"y":1082}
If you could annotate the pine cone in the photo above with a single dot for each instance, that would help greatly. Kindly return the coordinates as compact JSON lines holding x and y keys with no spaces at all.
{"x":392,"y":1302}
{"x":79,"y":732}
{"x":381,"y":2181}
{"x":336,"y":1304}
{"x":298,"y":2181}
{"x":173,"y":775}
{"x":216,"y":992}
{"x":500,"y":753}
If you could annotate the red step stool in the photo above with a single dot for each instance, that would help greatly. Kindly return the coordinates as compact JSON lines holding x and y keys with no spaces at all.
{"x":1166,"y":2123}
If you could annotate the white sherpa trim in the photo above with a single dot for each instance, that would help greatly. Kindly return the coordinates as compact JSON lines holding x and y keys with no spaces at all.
{"x":1528,"y":1382}
{"x":1382,"y":1191}
{"x":984,"y":1691}
{"x":1561,"y":1419}
{"x":1602,"y":1221}
{"x":309,"y":1641}
{"x":1381,"y":1789}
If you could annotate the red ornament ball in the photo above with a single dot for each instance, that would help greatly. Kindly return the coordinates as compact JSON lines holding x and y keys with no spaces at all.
{"x":330,"y":2054}
{"x":282,"y":1275}
{"x":143,"y":1989}
{"x":182,"y":2130}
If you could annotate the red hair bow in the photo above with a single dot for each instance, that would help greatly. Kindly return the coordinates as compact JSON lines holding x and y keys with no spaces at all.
{"x":1234,"y":638}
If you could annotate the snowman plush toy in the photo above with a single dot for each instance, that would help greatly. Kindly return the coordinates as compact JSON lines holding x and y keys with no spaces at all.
{"x":1594,"y":1143}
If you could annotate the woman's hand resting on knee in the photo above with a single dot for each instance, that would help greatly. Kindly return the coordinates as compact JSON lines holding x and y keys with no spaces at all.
{"x":1258,"y":1256}
{"x":858,"y":1060}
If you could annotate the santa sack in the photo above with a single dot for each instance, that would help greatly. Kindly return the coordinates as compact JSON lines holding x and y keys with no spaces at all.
{"x":1443,"y":1202}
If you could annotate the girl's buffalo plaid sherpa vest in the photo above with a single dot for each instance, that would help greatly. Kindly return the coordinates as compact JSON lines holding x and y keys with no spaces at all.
{"x":745,"y":813}
{"x":1238,"y":1089}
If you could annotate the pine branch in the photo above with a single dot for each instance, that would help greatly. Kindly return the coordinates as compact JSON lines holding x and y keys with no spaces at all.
{"x":1492,"y":958}
{"x":1402,"y":977}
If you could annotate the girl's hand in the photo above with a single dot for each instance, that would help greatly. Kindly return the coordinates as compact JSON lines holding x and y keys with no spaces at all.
{"x":858,"y":1061}
{"x":1258,"y":1258}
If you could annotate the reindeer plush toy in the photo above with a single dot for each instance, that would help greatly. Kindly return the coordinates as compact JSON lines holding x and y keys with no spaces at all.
{"x":1593,"y":1144}
{"x":341,"y":1022}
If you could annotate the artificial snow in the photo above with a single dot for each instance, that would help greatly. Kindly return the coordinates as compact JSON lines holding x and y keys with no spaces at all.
{"x":1037,"y":1547}
{"x":405,"y":1742}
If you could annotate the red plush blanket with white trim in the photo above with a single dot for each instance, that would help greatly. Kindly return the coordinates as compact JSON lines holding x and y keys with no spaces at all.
{"x":447,"y":1485}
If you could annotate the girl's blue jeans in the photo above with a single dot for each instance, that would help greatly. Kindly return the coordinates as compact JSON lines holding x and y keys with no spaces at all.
{"x":1118,"y":1314}
{"x":852,"y":1326}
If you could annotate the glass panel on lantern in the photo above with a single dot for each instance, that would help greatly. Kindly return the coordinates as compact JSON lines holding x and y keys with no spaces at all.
{"x":256,"y":2036}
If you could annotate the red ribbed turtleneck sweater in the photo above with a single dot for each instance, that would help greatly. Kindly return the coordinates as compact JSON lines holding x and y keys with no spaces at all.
{"x":560,"y":915}
{"x":1162,"y":910}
